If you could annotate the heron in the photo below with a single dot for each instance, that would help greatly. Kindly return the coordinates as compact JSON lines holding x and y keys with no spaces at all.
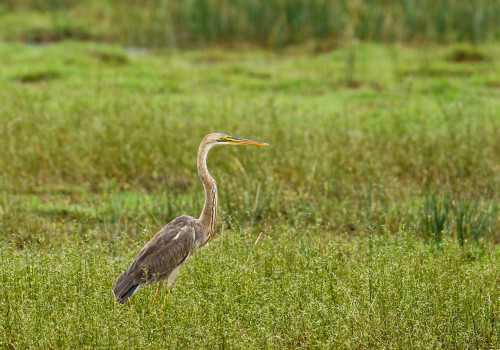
{"x":162,"y":257}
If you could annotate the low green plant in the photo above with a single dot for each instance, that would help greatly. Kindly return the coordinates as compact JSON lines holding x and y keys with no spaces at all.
{"x":467,"y":220}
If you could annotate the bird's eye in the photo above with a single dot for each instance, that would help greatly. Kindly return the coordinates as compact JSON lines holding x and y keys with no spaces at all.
{"x":221,"y":138}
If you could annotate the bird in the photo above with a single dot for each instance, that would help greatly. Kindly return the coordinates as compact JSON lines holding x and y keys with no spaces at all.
{"x":162,"y":257}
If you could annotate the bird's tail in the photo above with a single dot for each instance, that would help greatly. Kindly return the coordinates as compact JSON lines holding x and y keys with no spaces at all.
{"x":125,"y":287}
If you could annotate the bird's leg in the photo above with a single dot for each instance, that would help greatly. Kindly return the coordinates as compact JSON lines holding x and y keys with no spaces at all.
{"x":166,"y":296}
{"x":163,"y":307}
{"x":157,"y":292}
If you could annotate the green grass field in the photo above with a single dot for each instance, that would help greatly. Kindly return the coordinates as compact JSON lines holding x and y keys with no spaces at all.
{"x":377,"y":199}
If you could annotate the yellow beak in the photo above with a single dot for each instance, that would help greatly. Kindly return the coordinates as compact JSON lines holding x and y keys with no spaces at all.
{"x":238,"y":141}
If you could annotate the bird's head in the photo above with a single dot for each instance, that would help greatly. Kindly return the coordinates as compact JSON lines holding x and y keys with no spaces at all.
{"x":217,"y":139}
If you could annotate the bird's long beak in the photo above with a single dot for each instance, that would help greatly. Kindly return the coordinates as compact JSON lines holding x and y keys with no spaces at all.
{"x":237,"y":141}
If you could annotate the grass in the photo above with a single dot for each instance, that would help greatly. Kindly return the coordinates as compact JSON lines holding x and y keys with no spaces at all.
{"x":325,"y":24}
{"x":120,"y":144}
{"x":291,"y":290}
{"x":377,"y":200}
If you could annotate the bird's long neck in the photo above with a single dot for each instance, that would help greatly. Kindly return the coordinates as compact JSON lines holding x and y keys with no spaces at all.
{"x":209,"y":213}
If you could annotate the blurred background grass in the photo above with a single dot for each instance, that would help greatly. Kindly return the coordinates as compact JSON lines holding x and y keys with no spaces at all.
{"x":106,"y":136}
{"x":275,"y":23}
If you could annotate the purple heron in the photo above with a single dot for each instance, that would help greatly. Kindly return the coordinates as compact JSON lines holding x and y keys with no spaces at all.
{"x":162,"y":257}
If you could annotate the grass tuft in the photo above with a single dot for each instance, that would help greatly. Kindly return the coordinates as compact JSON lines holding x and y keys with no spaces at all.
{"x":113,"y":57}
{"x":467,"y":220}
{"x":466,"y":54}
{"x":44,"y":35}
{"x":37,"y":76}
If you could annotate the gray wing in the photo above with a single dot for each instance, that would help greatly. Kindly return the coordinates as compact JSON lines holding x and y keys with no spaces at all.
{"x":159,"y":257}
{"x":168,"y":249}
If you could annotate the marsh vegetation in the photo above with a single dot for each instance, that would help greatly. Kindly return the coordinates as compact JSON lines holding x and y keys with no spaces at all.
{"x":376,"y":204}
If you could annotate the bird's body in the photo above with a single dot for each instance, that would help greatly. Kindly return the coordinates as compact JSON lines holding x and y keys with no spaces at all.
{"x":162,"y":257}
